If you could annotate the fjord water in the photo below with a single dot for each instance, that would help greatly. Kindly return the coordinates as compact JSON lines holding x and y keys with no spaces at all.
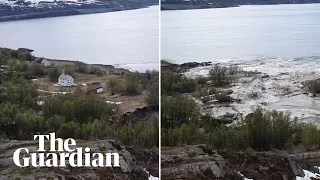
{"x":126,"y":38}
{"x":241,"y":33}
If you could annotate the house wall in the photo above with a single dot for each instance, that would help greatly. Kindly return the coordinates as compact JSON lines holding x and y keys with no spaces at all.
{"x":100,"y":90}
{"x":68,"y":82}
{"x":257,"y":83}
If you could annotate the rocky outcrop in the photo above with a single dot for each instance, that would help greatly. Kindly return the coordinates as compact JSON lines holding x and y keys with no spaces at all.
{"x":135,"y":164}
{"x":312,"y":86}
{"x":191,"y":162}
{"x":180,"y":68}
{"x":140,"y":114}
{"x":202,"y":162}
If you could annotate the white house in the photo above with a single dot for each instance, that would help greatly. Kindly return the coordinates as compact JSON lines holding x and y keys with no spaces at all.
{"x":45,"y":63}
{"x":257,"y":82}
{"x":65,"y":80}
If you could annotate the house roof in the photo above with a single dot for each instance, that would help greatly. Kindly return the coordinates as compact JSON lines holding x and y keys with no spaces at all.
{"x":250,"y":82}
{"x":65,"y":76}
{"x":257,"y":77}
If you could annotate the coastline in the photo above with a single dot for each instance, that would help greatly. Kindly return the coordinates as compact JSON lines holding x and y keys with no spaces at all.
{"x":117,"y":67}
{"x":101,"y":66}
{"x":128,"y":67}
{"x":174,"y":7}
{"x":168,"y":7}
{"x":70,"y":12}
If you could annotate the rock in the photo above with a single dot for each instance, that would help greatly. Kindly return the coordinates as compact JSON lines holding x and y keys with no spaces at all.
{"x":295,"y":166}
{"x":190,"y":65}
{"x":207,"y":63}
{"x":132,"y":164}
{"x":195,"y":160}
{"x":195,"y":168}
{"x":25,"y":50}
{"x":224,"y":98}
{"x":167,"y":66}
{"x":228,"y":118}
{"x":203,"y":162}
{"x":265,"y":76}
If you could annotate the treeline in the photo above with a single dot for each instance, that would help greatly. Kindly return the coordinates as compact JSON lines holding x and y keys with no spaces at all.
{"x":183,"y":124}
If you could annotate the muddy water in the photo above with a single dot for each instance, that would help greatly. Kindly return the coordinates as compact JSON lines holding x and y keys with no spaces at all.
{"x":284,"y":90}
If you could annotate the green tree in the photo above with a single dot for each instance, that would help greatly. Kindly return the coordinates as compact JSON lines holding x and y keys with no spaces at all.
{"x":310,"y":135}
{"x":178,"y":110}
{"x":54,"y":74}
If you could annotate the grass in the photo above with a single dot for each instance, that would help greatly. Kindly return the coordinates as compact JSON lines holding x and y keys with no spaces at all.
{"x":192,"y":155}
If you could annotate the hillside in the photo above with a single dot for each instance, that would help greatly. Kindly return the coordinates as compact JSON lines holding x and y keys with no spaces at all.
{"x":18,"y":10}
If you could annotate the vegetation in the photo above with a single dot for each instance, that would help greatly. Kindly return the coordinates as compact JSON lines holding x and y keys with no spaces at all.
{"x":24,"y":111}
{"x":77,"y":115}
{"x":176,"y":83}
{"x":178,"y":110}
{"x":54,"y":74}
{"x":135,"y":83}
{"x":221,"y":76}
{"x":153,"y":96}
{"x":315,"y":87}
{"x":310,"y":136}
{"x":262,"y":130}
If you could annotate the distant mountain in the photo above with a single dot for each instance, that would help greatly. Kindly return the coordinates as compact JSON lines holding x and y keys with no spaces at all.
{"x":133,"y":3}
{"x":202,"y":4}
{"x":26,"y":9}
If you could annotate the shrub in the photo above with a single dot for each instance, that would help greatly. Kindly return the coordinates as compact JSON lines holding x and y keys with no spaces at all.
{"x":54,"y":74}
{"x":315,"y":87}
{"x":132,"y":87}
{"x":178,"y":110}
{"x":175,"y":83}
{"x":202,"y":80}
{"x":221,"y":76}
{"x":113,"y":86}
{"x":153,"y":96}
{"x":310,"y":135}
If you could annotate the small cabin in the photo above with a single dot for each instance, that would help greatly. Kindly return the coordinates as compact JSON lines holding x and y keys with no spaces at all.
{"x":257,"y":82}
{"x":95,"y":87}
{"x":65,"y":80}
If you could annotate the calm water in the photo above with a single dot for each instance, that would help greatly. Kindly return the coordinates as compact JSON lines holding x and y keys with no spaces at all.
{"x":127,"y":38}
{"x":247,"y":32}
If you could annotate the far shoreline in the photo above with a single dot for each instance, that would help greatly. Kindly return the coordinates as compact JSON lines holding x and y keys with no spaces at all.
{"x":177,"y":7}
{"x":72,"y":12}
{"x":100,"y":65}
